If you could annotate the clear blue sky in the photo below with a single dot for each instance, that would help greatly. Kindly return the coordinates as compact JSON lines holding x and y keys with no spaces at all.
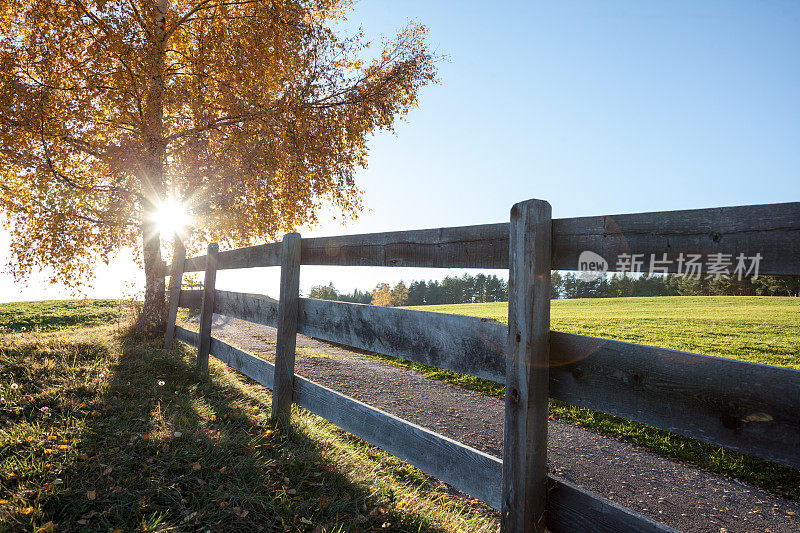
{"x":598,"y":107}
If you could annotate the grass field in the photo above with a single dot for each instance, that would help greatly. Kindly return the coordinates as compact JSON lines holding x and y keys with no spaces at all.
{"x":100,"y":434}
{"x":757,"y":329}
{"x":58,"y":314}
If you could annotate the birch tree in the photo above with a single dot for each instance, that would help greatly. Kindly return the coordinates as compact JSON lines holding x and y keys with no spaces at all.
{"x":247,"y":114}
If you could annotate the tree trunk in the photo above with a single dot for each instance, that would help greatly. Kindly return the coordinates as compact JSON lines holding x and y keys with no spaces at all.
{"x":152,"y":319}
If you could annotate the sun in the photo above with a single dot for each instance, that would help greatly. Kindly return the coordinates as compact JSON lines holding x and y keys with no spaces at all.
{"x":171,"y":217}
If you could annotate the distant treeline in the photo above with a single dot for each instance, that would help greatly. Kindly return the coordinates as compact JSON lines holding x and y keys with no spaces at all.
{"x":482,"y":288}
{"x":570,"y":285}
{"x":451,"y":290}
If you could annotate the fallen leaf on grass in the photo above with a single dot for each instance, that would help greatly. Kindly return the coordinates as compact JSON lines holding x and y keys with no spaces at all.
{"x":196,"y":466}
{"x":91,"y":494}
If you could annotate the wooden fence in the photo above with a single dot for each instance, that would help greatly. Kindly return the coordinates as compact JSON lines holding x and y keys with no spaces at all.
{"x":747,"y":407}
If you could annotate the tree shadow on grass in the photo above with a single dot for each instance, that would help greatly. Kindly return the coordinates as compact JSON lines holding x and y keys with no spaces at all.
{"x":162,"y":450}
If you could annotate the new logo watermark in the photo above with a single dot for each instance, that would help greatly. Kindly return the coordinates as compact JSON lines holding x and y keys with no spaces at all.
{"x":592,"y":266}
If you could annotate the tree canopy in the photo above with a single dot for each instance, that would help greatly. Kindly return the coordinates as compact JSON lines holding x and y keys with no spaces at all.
{"x":252,"y":113}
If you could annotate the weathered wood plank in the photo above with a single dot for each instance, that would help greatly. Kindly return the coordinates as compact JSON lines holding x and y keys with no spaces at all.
{"x":470,"y":345}
{"x":195,"y":264}
{"x":261,"y":255}
{"x":482,"y":246}
{"x":248,"y":364}
{"x":254,"y":308}
{"x":771,"y":230}
{"x":207,"y":308}
{"x":571,"y":509}
{"x":524,"y":497}
{"x":748,"y":407}
{"x":469,"y":470}
{"x":187,"y":336}
{"x":174,"y":290}
{"x":288,"y":304}
{"x":191,"y":299}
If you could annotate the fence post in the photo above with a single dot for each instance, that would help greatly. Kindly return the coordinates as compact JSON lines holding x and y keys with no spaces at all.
{"x":207,"y":309}
{"x":524,"y":495}
{"x":288,"y":308}
{"x":174,"y":289}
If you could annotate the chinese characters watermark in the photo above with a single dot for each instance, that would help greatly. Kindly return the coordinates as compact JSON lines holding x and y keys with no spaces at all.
{"x":692,"y":266}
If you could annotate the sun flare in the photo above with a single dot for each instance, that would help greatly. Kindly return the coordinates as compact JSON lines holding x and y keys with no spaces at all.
{"x":171,"y":217}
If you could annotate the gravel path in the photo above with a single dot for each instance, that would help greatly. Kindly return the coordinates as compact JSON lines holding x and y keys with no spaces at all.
{"x":684,"y":497}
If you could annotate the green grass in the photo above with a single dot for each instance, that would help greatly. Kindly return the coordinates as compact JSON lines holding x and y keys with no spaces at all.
{"x":58,"y":314}
{"x":757,"y":329}
{"x":98,"y":433}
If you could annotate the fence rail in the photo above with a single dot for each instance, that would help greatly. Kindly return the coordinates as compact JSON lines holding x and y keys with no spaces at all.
{"x":772,"y":230}
{"x":742,"y":406}
{"x":747,"y":407}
